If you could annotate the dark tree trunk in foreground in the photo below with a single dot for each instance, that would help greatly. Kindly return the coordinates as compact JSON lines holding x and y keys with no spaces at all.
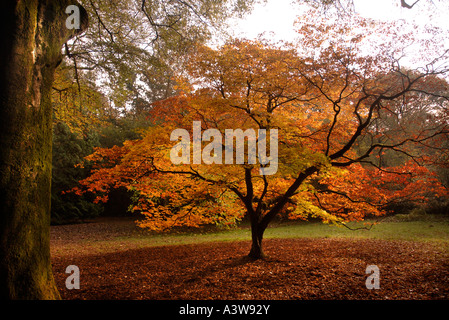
{"x":31,"y":40}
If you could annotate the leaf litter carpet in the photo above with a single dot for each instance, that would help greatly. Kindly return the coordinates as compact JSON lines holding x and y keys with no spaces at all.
{"x":317,"y":269}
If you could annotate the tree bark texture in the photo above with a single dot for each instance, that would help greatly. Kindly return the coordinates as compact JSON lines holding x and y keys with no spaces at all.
{"x":32,"y":37}
{"x":256,"y":251}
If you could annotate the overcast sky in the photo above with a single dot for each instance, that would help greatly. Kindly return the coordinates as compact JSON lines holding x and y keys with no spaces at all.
{"x":276,"y":18}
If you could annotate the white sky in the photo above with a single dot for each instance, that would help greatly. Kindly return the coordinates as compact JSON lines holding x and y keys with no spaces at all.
{"x":276,"y":18}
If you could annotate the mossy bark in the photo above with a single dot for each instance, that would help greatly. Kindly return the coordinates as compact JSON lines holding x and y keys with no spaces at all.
{"x":32,"y":38}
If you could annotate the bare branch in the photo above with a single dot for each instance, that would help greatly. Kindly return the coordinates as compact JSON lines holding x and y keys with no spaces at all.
{"x":405,"y":5}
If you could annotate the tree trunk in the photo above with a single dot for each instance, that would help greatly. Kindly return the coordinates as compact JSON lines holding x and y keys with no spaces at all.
{"x":256,"y":251}
{"x":260,"y":223}
{"x":32,"y":37}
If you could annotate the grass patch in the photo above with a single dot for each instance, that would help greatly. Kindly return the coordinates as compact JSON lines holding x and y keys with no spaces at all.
{"x":390,"y":230}
{"x":428,"y":230}
{"x":93,"y":238}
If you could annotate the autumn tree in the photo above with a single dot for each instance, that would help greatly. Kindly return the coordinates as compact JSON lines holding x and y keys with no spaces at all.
{"x":315,"y":111}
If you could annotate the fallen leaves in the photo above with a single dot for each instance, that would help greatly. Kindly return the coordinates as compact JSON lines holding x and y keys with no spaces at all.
{"x":295,"y":269}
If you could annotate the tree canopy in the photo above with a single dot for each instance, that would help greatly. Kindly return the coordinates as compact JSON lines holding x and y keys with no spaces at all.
{"x":132,"y":48}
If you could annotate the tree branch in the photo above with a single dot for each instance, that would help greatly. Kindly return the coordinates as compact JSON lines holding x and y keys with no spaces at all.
{"x":406,"y":5}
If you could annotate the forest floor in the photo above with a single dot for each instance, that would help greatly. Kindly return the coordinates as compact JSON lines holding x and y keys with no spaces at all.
{"x":111,"y":267}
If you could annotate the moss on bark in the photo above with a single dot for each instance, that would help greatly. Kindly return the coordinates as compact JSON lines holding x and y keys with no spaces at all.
{"x":29,"y":53}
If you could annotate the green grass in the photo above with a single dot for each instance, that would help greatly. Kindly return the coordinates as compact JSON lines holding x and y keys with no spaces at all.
{"x":412,"y":231}
{"x":430,"y":229}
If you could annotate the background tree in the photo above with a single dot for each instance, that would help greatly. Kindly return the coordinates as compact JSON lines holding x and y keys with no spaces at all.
{"x":133,"y":48}
{"x":68,"y":151}
{"x":83,"y":118}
